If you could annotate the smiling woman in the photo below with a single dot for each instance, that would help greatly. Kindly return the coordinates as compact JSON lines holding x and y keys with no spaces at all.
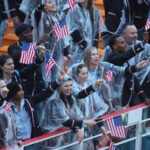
{"x":8,"y":72}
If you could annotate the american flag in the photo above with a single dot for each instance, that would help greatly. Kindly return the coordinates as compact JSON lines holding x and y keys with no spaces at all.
{"x":147,"y":26}
{"x":8,"y":107}
{"x":109,"y":75}
{"x":112,"y":146}
{"x":72,"y":4}
{"x":27,"y":53}
{"x":60,"y":29}
{"x":116,"y":127}
{"x":50,"y":63}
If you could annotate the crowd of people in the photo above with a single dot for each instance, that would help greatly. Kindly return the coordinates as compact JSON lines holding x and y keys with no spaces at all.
{"x":33,"y":103}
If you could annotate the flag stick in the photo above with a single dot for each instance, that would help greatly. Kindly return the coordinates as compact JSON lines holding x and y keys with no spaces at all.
{"x":50,"y":32}
{"x":59,"y":67}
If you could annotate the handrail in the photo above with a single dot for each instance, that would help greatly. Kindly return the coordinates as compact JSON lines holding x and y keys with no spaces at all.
{"x":67,"y":130}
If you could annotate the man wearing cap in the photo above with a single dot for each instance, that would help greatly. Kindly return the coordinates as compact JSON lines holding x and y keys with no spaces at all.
{"x":24,"y":32}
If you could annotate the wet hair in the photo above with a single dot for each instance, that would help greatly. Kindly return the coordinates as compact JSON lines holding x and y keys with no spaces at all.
{"x":68,"y":98}
{"x":112,"y":40}
{"x":87,"y":55}
{"x":13,"y":89}
{"x":124,"y":27}
{"x":79,"y":67}
{"x":3,"y":60}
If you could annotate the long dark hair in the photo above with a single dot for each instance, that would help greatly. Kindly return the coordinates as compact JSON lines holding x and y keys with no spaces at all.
{"x":67,"y":99}
{"x":3,"y":60}
{"x":90,"y":8}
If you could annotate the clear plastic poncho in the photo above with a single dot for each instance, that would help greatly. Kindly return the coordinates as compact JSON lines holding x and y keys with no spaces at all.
{"x":54,"y":115}
{"x":79,"y":19}
{"x":111,"y":91}
{"x":55,"y":49}
{"x":91,"y":106}
{"x":7,"y":130}
{"x":144,"y":72}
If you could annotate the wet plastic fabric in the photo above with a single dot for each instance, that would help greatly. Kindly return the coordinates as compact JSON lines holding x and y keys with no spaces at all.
{"x":7,"y":130}
{"x":144,"y":72}
{"x":55,"y":48}
{"x":79,"y":19}
{"x":92,"y":106}
{"x":144,"y":55}
{"x":109,"y":90}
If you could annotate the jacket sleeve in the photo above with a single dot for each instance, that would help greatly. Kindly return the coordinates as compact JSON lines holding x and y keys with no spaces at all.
{"x":122,"y":58}
{"x":96,"y":40}
{"x":45,"y":94}
{"x":38,"y":12}
{"x":73,"y":124}
{"x":30,"y":68}
{"x":84,"y":93}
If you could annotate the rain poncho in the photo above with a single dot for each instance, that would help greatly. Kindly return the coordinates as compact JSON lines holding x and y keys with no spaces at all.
{"x":80,"y":20}
{"x":27,"y":7}
{"x":7,"y":129}
{"x":91,"y":106}
{"x":110,"y":90}
{"x":55,"y":113}
{"x":144,"y":55}
{"x":142,"y":73}
{"x":55,"y":48}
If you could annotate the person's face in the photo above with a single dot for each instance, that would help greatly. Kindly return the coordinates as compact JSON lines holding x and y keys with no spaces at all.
{"x":8,"y":67}
{"x":50,"y":6}
{"x":130,"y":35}
{"x":66,"y":88}
{"x":83,"y":75}
{"x":20,"y":94}
{"x":94,"y":59}
{"x":120,"y":45}
{"x":27,"y":35}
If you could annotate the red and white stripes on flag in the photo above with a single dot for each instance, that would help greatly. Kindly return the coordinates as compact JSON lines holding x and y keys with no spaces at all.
{"x":72,"y":4}
{"x":8,"y":107}
{"x":28,"y":55}
{"x":147,"y":26}
{"x":109,"y":75}
{"x":49,"y":65}
{"x":60,"y":29}
{"x":116,"y":127}
{"x":112,"y":146}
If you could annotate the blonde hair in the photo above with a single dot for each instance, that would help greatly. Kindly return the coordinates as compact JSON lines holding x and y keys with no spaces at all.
{"x":87,"y":55}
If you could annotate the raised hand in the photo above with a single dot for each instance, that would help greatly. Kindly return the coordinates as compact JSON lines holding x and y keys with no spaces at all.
{"x":79,"y":135}
{"x":142,"y":64}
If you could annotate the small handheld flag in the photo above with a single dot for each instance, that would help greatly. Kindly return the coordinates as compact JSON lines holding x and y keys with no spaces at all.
{"x":147,"y":26}
{"x":50,"y":63}
{"x":109,"y":75}
{"x":27,"y":53}
{"x":72,"y":4}
{"x":116,"y":127}
{"x":60,"y":29}
{"x":112,"y":146}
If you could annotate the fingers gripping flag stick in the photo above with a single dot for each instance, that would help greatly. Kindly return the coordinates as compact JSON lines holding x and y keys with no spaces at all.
{"x":27,"y":53}
{"x":60,"y":29}
{"x":116,"y":127}
{"x":50,"y":63}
